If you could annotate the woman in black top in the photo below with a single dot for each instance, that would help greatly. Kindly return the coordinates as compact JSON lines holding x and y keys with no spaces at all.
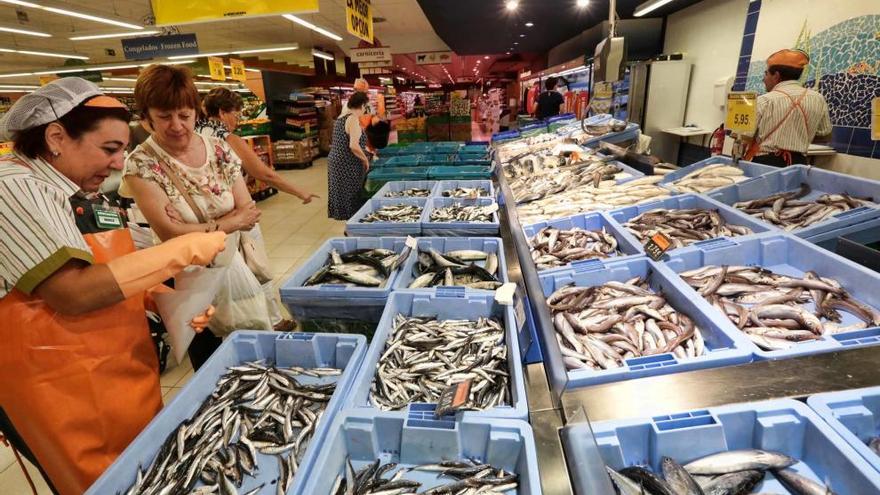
{"x":549,"y":101}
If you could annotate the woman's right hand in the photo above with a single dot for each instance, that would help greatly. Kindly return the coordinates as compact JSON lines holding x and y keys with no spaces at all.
{"x":247,"y":216}
{"x":366,"y":166}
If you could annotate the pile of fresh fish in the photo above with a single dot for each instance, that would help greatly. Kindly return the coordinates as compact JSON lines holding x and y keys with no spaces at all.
{"x":462,"y":213}
{"x":585,"y":198}
{"x":769,"y":307}
{"x":532,"y":188}
{"x":256,"y":407}
{"x":708,"y":178}
{"x":394,"y":213}
{"x":456,"y":268}
{"x":683,"y":226}
{"x":363,"y":267}
{"x":788,"y":211}
{"x":552,"y":247}
{"x":598,"y":327}
{"x":735,"y":472}
{"x":413,"y":192}
{"x":423,"y":356}
{"x":465,"y":192}
{"x":468,"y":477}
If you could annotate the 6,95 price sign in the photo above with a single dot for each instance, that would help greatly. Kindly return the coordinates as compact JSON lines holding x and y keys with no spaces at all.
{"x":741,"y":112}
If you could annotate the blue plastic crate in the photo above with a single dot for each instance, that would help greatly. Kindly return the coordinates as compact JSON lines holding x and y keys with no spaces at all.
{"x":462,"y":172}
{"x":590,"y":221}
{"x":630,"y":133}
{"x":729,"y":214}
{"x":530,"y":345}
{"x":474,"y":148}
{"x":446,"y":147}
{"x":444,"y":244}
{"x":437,"y":159}
{"x":405,"y":161}
{"x":788,"y":255}
{"x":376,"y":229}
{"x":448,"y":185}
{"x":388,"y":174}
{"x":854,"y":415}
{"x":723,"y":346}
{"x":482,"y":159}
{"x":415,"y":437}
{"x":784,"y":425}
{"x":460,"y":229}
{"x":501,"y":137}
{"x":749,"y":169}
{"x":402,"y":185}
{"x":284,"y":349}
{"x":335,"y":300}
{"x":820,"y":182}
{"x":446,"y":303}
{"x":864,"y":232}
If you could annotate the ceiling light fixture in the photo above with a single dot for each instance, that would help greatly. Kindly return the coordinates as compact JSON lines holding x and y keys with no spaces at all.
{"x":322,"y":54}
{"x":511,"y":4}
{"x":649,"y":6}
{"x":486,"y":57}
{"x":114,"y":35}
{"x":522,"y":36}
{"x":24,"y":31}
{"x":20,"y":74}
{"x":516,"y":43}
{"x":530,"y":24}
{"x":305,"y":23}
{"x":71,"y":13}
{"x":44,"y":54}
{"x":239,"y":52}
{"x":17,"y":86}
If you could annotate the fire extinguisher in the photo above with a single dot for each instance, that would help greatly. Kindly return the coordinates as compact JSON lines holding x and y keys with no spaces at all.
{"x":717,"y":141}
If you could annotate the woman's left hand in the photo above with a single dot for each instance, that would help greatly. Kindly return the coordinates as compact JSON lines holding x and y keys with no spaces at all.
{"x":173,"y":214}
{"x":200,"y":322}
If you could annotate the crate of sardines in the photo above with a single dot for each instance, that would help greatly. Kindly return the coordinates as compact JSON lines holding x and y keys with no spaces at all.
{"x":464,"y":189}
{"x":630,"y":319}
{"x":347,"y":278}
{"x":685,"y":220}
{"x":414,"y":451}
{"x":778,"y":446}
{"x":805,"y":201}
{"x":407,"y":189}
{"x":713,"y":173}
{"x":388,"y":217}
{"x":787,"y":296}
{"x":556,"y":244}
{"x":855,"y":416}
{"x":475,"y":263}
{"x":217,"y":432}
{"x":432,"y":342}
{"x":461,"y":217}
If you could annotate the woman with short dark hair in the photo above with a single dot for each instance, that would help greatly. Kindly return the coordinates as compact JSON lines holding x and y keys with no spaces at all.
{"x":347,"y":163}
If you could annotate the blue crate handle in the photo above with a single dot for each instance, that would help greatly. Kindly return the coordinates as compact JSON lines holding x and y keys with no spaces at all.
{"x":650,"y":205}
{"x":652,"y":362}
{"x":421,"y":415}
{"x":683,"y":421}
{"x":451,"y":292}
{"x":714,"y":244}
{"x":332,"y":287}
{"x":854,"y":212}
{"x":586,"y":266}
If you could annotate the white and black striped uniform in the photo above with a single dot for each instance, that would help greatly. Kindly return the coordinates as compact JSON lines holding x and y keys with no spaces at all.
{"x":38,"y":233}
{"x":801,"y":126}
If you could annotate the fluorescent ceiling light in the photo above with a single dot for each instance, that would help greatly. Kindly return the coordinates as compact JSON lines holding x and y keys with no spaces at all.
{"x":238,"y":52}
{"x":120,"y":79}
{"x":71,"y":13}
{"x":247,"y":69}
{"x":530,"y":24}
{"x":324,"y":55}
{"x":206,"y":83}
{"x":305,"y":23}
{"x":44,"y":54}
{"x":114,"y":35}
{"x":650,"y":6}
{"x":20,"y":74}
{"x":24,"y":31}
{"x":18,"y":86}
{"x":583,"y":3}
{"x":511,"y":4}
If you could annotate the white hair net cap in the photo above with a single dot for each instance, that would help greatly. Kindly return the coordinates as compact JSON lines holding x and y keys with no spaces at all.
{"x":46,"y":104}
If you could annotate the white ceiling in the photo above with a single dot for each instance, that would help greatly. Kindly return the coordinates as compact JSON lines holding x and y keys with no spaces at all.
{"x":405,"y":30}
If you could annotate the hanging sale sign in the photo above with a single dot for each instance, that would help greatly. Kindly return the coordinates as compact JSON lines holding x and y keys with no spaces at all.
{"x":379,"y":54}
{"x":359,"y":19}
{"x":215,"y":66}
{"x":742,"y":112}
{"x":237,"y":69}
{"x":190,"y":11}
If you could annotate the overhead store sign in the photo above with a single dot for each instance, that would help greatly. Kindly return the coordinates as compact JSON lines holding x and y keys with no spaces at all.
{"x":169,"y":12}
{"x":373,"y":65}
{"x":359,"y":19}
{"x":215,"y":66}
{"x":373,"y":72}
{"x":237,"y":69}
{"x":159,"y":46}
{"x":434,"y":58}
{"x":379,"y":54}
{"x":742,"y":112}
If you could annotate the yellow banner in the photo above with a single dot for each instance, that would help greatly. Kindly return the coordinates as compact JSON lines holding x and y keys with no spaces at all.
{"x":189,"y":11}
{"x":44,"y":80}
{"x":238,"y":73}
{"x":742,"y":112}
{"x":359,"y":19}
{"x":215,"y":65}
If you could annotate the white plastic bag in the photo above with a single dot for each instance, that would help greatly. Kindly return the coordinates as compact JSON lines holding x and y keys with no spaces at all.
{"x":240,"y":302}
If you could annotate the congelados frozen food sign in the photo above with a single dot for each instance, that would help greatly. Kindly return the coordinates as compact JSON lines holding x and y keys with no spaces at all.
{"x":189,"y":11}
{"x":359,"y":19}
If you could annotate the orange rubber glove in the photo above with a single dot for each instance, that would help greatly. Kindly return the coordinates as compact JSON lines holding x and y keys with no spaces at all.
{"x":141,"y":270}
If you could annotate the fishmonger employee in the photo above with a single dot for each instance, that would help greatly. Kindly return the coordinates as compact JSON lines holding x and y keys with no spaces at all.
{"x":78,"y":369}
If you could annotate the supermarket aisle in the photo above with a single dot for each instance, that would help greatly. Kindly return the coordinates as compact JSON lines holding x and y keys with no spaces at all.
{"x":291,"y":230}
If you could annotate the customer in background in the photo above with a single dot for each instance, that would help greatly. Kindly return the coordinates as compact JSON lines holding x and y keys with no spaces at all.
{"x":347,"y":163}
{"x":550,"y":100}
{"x":222,"y":112}
{"x":185,"y":182}
{"x":789,"y":116}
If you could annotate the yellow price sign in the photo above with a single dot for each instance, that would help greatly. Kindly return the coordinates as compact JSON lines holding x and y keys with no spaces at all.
{"x":742,"y":112}
{"x":5,"y":148}
{"x":215,"y":66}
{"x":359,"y":19}
{"x":875,"y":119}
{"x":237,"y":70}
{"x":44,"y":80}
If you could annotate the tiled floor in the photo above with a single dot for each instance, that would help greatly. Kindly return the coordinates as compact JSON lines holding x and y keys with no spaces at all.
{"x":291,"y":232}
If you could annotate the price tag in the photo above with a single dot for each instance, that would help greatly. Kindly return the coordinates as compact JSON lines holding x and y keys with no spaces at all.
{"x":453,"y":398}
{"x":504,"y":294}
{"x":411,"y":242}
{"x":742,"y":116}
{"x":237,"y":69}
{"x":657,"y":246}
{"x":215,"y":66}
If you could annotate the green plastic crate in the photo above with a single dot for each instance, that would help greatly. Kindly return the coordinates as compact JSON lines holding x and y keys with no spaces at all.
{"x":459,"y":172}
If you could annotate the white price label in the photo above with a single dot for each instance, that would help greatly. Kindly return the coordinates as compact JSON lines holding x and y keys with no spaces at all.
{"x":504,"y":294}
{"x":411,"y":242}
